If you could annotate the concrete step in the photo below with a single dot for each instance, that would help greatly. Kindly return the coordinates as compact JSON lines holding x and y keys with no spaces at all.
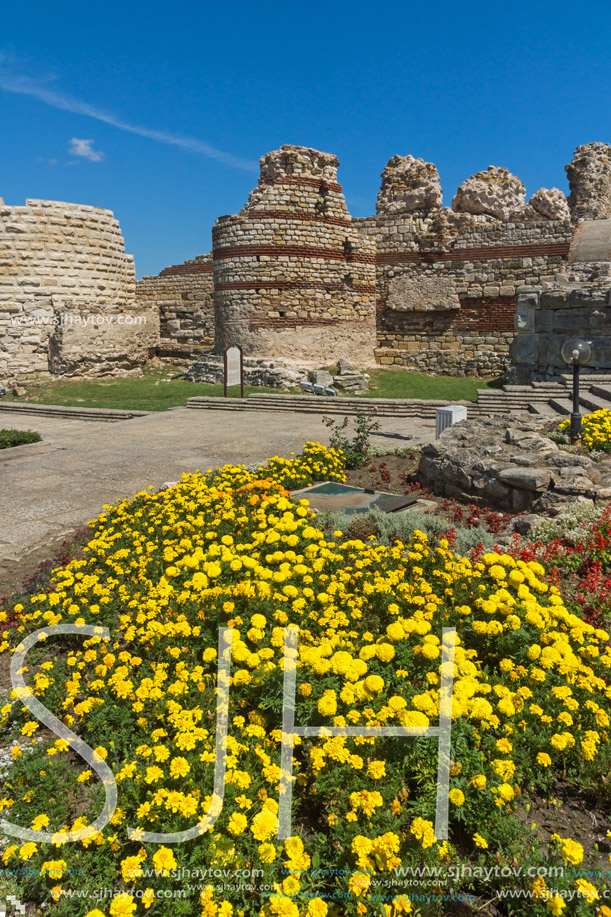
{"x":305,"y":406}
{"x":587,"y":380}
{"x":527,"y":395}
{"x":336,"y":406}
{"x":546,"y":410}
{"x":593,"y":402}
{"x":535,"y":387}
{"x":603,"y":391}
{"x":109,"y":415}
{"x":563,"y":406}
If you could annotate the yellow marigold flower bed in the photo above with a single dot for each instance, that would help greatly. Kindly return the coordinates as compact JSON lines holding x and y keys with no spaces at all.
{"x":228,"y":548}
{"x":595,"y":430}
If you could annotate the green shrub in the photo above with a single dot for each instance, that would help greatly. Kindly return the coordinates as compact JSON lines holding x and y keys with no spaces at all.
{"x":10,"y":438}
{"x":354,"y":449}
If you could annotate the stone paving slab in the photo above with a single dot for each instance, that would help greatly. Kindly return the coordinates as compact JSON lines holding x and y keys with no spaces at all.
{"x":50,"y":488}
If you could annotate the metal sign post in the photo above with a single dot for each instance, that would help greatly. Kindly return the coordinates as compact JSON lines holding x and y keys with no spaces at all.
{"x":233,"y":373}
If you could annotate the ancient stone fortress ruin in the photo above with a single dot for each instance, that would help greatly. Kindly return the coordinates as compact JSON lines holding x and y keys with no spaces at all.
{"x":68,"y":294}
{"x":294,"y":277}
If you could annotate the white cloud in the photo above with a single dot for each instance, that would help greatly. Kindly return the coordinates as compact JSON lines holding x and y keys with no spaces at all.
{"x":84,"y":148}
{"x":24,"y":85}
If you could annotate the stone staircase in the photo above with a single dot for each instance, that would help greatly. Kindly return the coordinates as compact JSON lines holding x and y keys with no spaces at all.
{"x":107,"y":415}
{"x":551,"y":399}
{"x":548,"y":399}
{"x":534,"y":398}
{"x":321,"y":404}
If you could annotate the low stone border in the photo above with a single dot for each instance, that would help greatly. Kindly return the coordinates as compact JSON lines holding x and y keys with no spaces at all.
{"x":58,"y":410}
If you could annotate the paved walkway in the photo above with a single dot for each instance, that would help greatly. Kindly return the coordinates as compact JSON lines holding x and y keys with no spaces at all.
{"x":49,"y":489}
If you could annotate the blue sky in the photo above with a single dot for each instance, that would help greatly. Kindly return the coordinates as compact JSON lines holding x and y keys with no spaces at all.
{"x":160,"y":111}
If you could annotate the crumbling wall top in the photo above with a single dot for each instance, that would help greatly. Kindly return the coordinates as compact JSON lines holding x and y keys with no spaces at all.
{"x":409,"y":184}
{"x":299,"y":161}
{"x":589,"y":177}
{"x":495,"y":192}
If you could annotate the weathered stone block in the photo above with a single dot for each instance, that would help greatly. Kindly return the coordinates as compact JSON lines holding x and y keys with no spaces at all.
{"x":531,"y":479}
{"x":524,"y":321}
{"x":525,"y":349}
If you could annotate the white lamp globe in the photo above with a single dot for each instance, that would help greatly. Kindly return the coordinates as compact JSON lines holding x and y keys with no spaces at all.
{"x":576,"y":352}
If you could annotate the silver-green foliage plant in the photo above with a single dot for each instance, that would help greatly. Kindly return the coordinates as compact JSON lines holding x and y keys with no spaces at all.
{"x":393,"y":527}
{"x":570,"y":526}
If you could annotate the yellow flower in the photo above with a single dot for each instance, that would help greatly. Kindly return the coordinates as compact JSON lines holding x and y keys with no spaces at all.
{"x":456,"y":797}
{"x":267,"y":853}
{"x":374,"y":684}
{"x":327,"y":705}
{"x":179,"y":767}
{"x":359,"y":883}
{"x":317,"y":908}
{"x":164,"y":861}
{"x":571,"y":851}
{"x":122,"y":906}
{"x":543,"y":759}
{"x":40,"y":822}
{"x":423,"y":831}
{"x":54,"y":868}
{"x":264,"y":825}
{"x":27,"y":851}
{"x":555,"y":905}
{"x":376,"y":769}
{"x":480,"y":841}
{"x":237,"y":823}
{"x":385,"y":652}
{"x":131,"y":868}
{"x":587,"y":890}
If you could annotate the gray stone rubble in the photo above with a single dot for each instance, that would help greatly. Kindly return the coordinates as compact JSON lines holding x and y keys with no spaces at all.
{"x":510,"y":462}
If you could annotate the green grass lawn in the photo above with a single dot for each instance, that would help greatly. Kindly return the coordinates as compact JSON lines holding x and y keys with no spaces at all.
{"x":153,"y":391}
{"x":397,"y":383}
{"x":165,"y":388}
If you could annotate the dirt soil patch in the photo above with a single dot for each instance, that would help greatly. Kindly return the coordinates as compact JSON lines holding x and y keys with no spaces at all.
{"x":398,"y":474}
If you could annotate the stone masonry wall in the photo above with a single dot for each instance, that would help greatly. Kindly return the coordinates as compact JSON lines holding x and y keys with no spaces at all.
{"x":183,"y":294}
{"x":67,"y":294}
{"x":447,"y":278}
{"x":481,"y":268}
{"x":548,"y":316}
{"x":292,"y":276}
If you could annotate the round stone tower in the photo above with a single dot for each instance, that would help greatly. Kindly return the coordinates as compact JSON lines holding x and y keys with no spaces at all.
{"x":293,"y":277}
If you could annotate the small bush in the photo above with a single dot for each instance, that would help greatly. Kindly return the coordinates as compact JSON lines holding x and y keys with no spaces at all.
{"x":572,"y":526}
{"x":9,"y":438}
{"x":356,"y":448}
{"x":468,"y":539}
{"x":387,"y":528}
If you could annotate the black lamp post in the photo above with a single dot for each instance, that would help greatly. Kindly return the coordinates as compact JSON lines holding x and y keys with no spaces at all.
{"x":576,"y":352}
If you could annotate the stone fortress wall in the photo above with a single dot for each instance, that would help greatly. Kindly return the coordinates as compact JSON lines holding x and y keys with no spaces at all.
{"x":447,"y":278}
{"x":68,"y":294}
{"x":293,"y":273}
{"x":294,"y":277}
{"x":183,"y":295}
